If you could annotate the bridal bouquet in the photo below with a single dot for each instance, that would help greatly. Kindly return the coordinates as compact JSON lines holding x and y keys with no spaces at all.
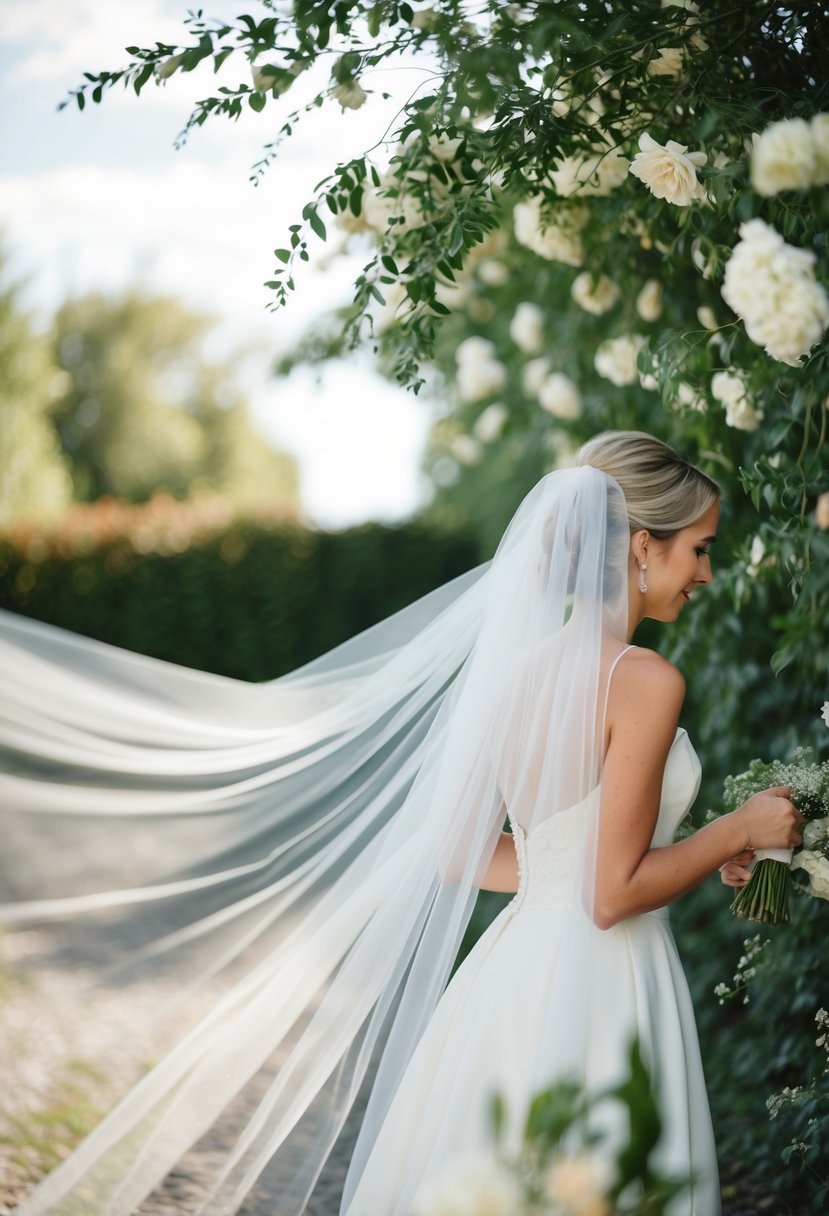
{"x":765,"y":897}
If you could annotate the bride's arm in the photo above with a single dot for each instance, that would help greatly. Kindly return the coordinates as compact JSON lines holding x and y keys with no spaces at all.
{"x":502,"y":874}
{"x":631,"y":877}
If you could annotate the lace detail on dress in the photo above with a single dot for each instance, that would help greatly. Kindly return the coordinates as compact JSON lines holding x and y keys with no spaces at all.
{"x":549,"y":858}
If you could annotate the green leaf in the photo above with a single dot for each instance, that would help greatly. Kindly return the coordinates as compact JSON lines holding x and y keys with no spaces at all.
{"x":81,"y":100}
{"x":284,"y":255}
{"x":257,"y":101}
{"x":316,"y":223}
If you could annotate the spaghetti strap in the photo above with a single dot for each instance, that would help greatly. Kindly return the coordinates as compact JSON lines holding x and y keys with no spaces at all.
{"x":610,"y":677}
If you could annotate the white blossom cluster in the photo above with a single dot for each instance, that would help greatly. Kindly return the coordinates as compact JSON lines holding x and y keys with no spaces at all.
{"x":747,"y":968}
{"x":791,"y":155}
{"x":596,"y":175}
{"x":615,"y":359}
{"x":730,"y":391}
{"x":595,"y":295}
{"x":771,"y":286}
{"x":557,"y":240}
{"x":669,"y":170}
{"x":480,"y":373}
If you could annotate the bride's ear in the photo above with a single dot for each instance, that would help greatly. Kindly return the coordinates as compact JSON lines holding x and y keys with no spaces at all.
{"x":639,"y":545}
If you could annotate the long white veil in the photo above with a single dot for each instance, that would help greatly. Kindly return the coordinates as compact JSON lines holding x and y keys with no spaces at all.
{"x":304,"y":852}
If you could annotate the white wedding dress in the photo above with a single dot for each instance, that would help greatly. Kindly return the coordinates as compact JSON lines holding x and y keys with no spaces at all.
{"x":483,"y":1034}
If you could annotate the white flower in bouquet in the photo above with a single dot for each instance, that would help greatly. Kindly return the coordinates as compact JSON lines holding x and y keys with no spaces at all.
{"x":559,"y":396}
{"x":669,"y":171}
{"x":822,"y":511}
{"x":490,"y":423}
{"x":527,"y":328}
{"x":730,"y":391}
{"x":597,"y":175}
{"x":820,"y":141}
{"x":557,"y":240}
{"x":479,"y":373}
{"x":771,"y":286}
{"x":533,"y":376}
{"x":594,"y":295}
{"x":817,"y":867}
{"x":471,"y":1186}
{"x":649,"y":301}
{"x":578,"y":1185}
{"x":666,"y":62}
{"x":616,"y":359}
{"x":783,"y":157}
{"x":350,"y":94}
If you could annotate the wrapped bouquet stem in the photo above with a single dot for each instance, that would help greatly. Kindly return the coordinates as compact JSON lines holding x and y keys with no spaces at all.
{"x":765,"y":897}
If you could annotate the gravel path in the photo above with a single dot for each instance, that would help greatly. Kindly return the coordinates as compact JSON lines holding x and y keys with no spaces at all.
{"x":52,"y":1094}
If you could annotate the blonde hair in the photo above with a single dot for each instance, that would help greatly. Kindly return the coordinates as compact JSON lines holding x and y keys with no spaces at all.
{"x":663,"y":493}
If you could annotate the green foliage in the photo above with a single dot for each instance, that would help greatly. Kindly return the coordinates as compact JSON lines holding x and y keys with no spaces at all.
{"x":34,"y":475}
{"x":252,"y":601}
{"x":141,"y":409}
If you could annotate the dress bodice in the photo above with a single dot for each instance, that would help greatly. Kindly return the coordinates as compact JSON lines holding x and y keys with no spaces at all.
{"x":550,"y":855}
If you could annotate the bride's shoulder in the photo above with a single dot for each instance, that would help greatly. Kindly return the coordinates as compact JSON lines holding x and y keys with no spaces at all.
{"x":644,"y":675}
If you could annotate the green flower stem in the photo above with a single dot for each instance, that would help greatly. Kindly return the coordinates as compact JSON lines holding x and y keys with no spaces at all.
{"x":765,"y":897}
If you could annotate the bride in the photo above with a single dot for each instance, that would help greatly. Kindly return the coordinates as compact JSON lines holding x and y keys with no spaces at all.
{"x":305,"y":855}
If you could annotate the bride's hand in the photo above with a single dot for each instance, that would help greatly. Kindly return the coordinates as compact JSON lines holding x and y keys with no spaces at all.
{"x":735,"y":873}
{"x":770,"y":820}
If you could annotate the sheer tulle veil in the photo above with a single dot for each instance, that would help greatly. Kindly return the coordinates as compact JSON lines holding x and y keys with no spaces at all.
{"x":304,"y":853}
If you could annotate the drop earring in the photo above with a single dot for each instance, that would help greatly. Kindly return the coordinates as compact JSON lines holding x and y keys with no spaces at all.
{"x":643,"y":586}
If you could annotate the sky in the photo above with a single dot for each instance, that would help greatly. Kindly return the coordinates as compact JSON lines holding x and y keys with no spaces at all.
{"x":101,"y":200}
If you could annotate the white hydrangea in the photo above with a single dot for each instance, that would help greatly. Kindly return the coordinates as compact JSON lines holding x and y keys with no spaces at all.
{"x":559,"y":396}
{"x":730,"y":391}
{"x":649,"y":301}
{"x":771,"y":286}
{"x":578,"y":1185}
{"x":783,"y":157}
{"x":594,"y":295}
{"x":480,"y":374}
{"x":490,"y":423}
{"x":470,"y":1186}
{"x":616,"y":359}
{"x":791,"y":155}
{"x":669,"y":171}
{"x":527,"y":328}
{"x":558,"y":240}
{"x":597,"y":175}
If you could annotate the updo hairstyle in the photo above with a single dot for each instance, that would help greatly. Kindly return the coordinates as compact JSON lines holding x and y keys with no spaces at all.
{"x":663,"y":493}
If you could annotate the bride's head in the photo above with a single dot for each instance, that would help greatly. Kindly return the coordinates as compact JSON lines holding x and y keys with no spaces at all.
{"x":673,"y":513}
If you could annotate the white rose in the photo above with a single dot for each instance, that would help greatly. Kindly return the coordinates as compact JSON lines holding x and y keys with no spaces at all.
{"x":443,"y":148}
{"x":820,"y":141}
{"x":480,"y":374}
{"x":380,"y":208}
{"x":597,"y":175}
{"x":824,"y":713}
{"x":559,"y":396}
{"x":527,"y":328}
{"x":558,"y":239}
{"x":783,"y":158}
{"x":707,"y":317}
{"x":616,"y":359}
{"x":730,"y":391}
{"x":669,"y":171}
{"x":815,"y":829}
{"x":667,"y":62}
{"x":758,"y":552}
{"x":578,"y":1185}
{"x":771,"y":286}
{"x":470,"y":1186}
{"x":490,"y":423}
{"x":351,"y":95}
{"x":533,"y":376}
{"x":649,"y":301}
{"x":817,"y":867}
{"x":594,"y":295}
{"x":822,"y":511}
{"x":689,"y":398}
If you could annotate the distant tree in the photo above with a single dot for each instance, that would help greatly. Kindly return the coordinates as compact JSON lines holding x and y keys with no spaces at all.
{"x":34,"y":475}
{"x":143,"y":409}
